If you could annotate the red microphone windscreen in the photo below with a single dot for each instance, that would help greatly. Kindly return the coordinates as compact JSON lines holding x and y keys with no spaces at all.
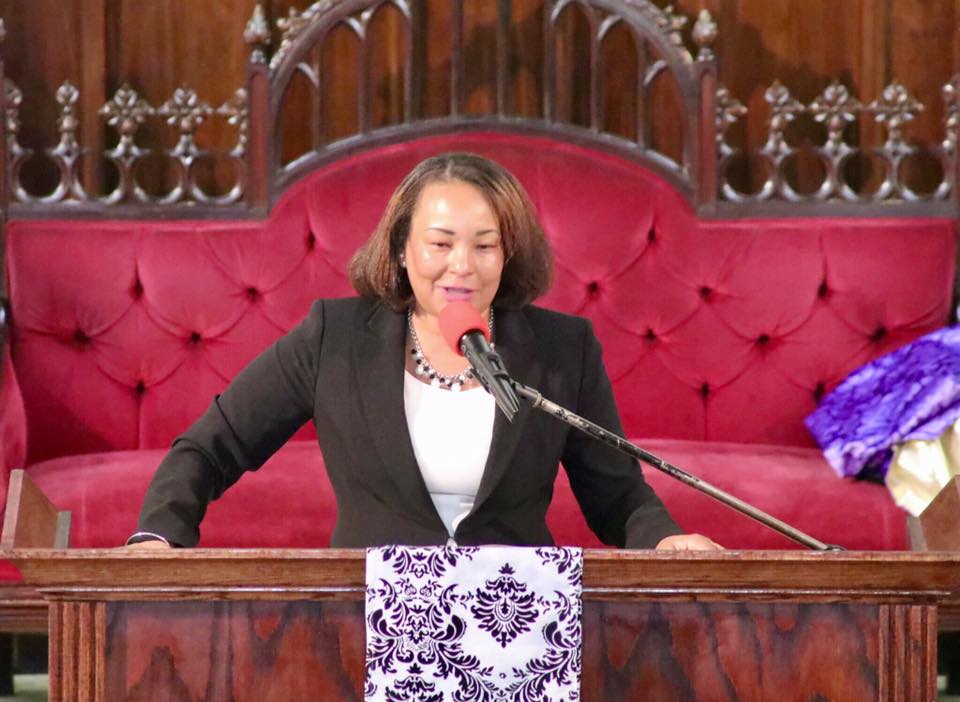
{"x":458,"y":318}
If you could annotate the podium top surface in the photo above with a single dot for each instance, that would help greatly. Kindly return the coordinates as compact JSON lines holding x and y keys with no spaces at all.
{"x":213,"y":573}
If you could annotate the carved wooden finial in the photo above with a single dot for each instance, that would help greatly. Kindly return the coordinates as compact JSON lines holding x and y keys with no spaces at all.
{"x":184,"y":110}
{"x":67,"y":123}
{"x":126,"y":111}
{"x":674,"y":24}
{"x":237,"y":113}
{"x":704,"y":34}
{"x":836,"y":108}
{"x":783,"y":110}
{"x":894,"y":109}
{"x":257,"y":34}
{"x":728,"y":110}
{"x":951,"y":118}
{"x":14,"y":98}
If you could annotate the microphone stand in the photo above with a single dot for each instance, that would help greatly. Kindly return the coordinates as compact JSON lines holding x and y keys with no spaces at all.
{"x":538,"y":401}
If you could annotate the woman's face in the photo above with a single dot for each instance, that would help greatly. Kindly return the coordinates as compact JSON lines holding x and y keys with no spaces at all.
{"x":454,"y":250}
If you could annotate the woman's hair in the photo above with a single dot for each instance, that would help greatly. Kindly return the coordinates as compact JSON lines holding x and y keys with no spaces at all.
{"x":375,"y":270}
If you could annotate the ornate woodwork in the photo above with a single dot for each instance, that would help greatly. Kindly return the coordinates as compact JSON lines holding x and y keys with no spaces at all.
{"x":252,"y":625}
{"x":388,"y":65}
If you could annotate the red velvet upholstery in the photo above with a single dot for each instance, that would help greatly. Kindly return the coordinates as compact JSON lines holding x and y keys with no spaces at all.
{"x":712,"y":331}
{"x":302,"y":514}
{"x":13,"y":423}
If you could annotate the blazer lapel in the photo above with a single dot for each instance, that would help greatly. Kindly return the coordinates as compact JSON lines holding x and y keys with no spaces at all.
{"x":514,"y":341}
{"x":379,"y":368}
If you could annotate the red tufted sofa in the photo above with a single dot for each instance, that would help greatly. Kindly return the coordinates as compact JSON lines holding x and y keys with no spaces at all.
{"x":719,"y":336}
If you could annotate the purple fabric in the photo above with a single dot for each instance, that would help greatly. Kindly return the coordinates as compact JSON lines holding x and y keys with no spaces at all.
{"x":912,"y":393}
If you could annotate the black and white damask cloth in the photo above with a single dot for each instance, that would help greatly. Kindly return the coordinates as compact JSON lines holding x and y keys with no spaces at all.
{"x":477,"y":624}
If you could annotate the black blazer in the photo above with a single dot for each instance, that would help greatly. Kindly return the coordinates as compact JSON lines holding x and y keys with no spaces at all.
{"x":344,"y":367}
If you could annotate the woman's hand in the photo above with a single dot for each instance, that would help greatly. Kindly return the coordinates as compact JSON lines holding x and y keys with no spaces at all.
{"x":688,"y":542}
{"x":152,"y":544}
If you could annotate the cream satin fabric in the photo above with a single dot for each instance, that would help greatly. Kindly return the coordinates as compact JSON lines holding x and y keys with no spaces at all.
{"x":920,"y":469}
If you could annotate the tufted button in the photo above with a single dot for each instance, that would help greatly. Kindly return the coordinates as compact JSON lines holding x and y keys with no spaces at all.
{"x":823,"y":291}
{"x":593,"y":288}
{"x":195,"y":337}
{"x":763,"y":339}
{"x":819,"y":391}
{"x":706,"y":292}
{"x":705,"y":390}
{"x":253,"y":294}
{"x":136,"y":290}
{"x":878,"y":335}
{"x":650,"y":335}
{"x":311,"y":241}
{"x":652,"y":235}
{"x":80,"y":337}
{"x":140,"y":388}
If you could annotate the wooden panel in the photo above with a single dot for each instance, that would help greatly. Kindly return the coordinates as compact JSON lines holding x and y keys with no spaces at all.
{"x":572,"y":50}
{"x":479,"y":54}
{"x":30,"y":519}
{"x":340,"y":91}
{"x":802,"y":43}
{"x":77,"y":653}
{"x":159,"y":46}
{"x":940,"y":521}
{"x":632,"y":651}
{"x":864,"y":44}
{"x":235,"y":650}
{"x":42,"y":50}
{"x":908,"y":640}
{"x":433,"y":56}
{"x":388,"y":51}
{"x":526,"y":46}
{"x":729,"y":651}
{"x":921,"y":37}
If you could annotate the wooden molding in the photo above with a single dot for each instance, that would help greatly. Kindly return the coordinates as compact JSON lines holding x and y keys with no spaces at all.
{"x":31,"y":520}
{"x":941,"y":519}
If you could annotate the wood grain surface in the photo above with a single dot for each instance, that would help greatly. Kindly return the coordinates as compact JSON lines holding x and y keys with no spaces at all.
{"x":288,"y":624}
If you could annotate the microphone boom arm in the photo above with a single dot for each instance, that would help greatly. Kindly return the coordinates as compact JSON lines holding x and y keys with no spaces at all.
{"x":489,"y":371}
{"x":538,"y":401}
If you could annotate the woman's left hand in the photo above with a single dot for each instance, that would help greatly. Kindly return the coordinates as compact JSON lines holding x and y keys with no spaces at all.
{"x":688,"y":542}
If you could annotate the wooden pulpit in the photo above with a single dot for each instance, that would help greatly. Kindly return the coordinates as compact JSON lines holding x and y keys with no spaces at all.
{"x":289,"y":624}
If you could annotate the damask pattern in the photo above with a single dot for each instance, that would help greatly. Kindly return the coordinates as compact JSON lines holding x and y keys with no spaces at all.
{"x":459,"y":624}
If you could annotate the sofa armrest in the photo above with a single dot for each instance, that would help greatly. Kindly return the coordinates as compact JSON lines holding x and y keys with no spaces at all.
{"x":13,"y":417}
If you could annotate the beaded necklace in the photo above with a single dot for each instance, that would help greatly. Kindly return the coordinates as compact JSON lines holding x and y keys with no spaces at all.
{"x":445,"y":382}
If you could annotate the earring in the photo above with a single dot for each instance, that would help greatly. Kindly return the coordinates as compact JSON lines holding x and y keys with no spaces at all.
{"x":403,"y":261}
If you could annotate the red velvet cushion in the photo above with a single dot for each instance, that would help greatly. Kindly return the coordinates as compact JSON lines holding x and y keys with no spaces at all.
{"x":793,"y":484}
{"x":289,"y":502}
{"x":13,"y":423}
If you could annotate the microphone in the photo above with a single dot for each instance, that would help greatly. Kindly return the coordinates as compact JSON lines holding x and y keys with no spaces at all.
{"x":466,"y":332}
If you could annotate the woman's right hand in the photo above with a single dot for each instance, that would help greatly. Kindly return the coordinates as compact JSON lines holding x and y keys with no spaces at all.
{"x":152,"y":544}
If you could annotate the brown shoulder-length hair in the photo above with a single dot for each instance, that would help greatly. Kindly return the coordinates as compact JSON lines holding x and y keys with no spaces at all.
{"x":375,"y":270}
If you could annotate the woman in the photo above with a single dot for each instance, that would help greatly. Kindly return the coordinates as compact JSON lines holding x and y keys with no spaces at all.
{"x":414,"y":448}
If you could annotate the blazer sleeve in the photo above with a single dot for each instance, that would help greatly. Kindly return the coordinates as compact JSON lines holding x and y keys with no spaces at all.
{"x":619,"y":506}
{"x":260,"y":409}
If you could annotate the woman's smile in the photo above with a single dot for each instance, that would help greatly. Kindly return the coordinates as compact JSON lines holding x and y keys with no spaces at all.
{"x":456,"y":293}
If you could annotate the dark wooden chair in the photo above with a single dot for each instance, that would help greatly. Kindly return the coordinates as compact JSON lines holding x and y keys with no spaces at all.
{"x":31,"y":521}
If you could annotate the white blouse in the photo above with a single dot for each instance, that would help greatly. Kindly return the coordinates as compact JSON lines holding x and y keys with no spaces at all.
{"x":451,"y":434}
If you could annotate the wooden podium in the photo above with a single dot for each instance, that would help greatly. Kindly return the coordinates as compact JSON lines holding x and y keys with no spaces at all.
{"x":265,"y":625}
